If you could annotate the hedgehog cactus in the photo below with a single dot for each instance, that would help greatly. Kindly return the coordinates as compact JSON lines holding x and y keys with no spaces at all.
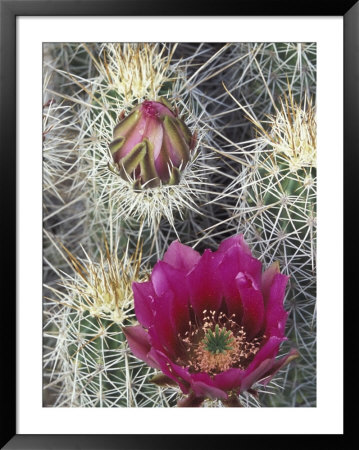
{"x":264,"y":75}
{"x":280,"y":184}
{"x":276,"y":210}
{"x":98,"y":369}
{"x":91,"y":351}
{"x":286,"y":175}
{"x":154,"y":141}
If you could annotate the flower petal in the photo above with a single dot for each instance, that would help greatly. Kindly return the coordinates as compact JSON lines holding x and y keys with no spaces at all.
{"x":233,"y":261}
{"x":204,"y":385}
{"x":200,"y":383}
{"x":181,"y":256}
{"x":204,"y":285}
{"x":237,"y":240}
{"x":204,"y":390}
{"x":279,"y":364}
{"x":267,"y":369}
{"x":275,"y":314}
{"x":179,"y":374}
{"x":165,"y":278}
{"x":161,"y":331}
{"x":163,"y":164}
{"x":256,"y":374}
{"x":228,"y":270}
{"x":230,"y":379}
{"x":267,"y":279}
{"x":175,"y":142}
{"x":252,"y":303}
{"x":170,"y":308}
{"x":154,"y":133}
{"x":268,"y":351}
{"x":132,"y":138}
{"x":144,"y":299}
{"x":138,"y":340}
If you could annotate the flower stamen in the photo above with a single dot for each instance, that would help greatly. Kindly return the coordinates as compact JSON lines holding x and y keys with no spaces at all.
{"x":217,"y":344}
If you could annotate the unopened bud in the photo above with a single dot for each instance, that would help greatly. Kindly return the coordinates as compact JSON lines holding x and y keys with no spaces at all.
{"x":151,"y":146}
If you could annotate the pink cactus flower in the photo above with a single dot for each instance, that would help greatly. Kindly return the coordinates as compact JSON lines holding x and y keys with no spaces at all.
{"x":151,"y":145}
{"x":212,"y":323}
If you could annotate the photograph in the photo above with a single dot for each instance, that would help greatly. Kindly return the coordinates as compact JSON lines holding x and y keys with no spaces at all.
{"x":175,"y":182}
{"x":179,"y":203}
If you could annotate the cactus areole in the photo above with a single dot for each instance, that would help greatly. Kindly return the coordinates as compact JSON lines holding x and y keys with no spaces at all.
{"x":151,"y":146}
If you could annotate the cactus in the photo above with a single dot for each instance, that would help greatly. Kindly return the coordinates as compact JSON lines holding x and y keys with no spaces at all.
{"x":277,"y":189}
{"x":90,"y":357}
{"x":125,"y":76}
{"x":275,"y":208}
{"x":264,"y":75}
{"x":255,"y":176}
{"x":84,"y":344}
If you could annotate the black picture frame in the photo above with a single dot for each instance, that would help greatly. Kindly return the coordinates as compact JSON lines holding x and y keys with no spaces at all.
{"x":9,"y":11}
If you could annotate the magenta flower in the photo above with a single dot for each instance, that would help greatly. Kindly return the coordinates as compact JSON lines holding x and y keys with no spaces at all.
{"x":213,"y":324}
{"x":151,"y":145}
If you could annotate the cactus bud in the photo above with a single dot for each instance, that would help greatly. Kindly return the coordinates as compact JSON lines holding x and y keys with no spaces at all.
{"x":151,"y":146}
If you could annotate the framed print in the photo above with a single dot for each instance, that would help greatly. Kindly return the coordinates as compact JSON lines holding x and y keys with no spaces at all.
{"x":175,"y":272}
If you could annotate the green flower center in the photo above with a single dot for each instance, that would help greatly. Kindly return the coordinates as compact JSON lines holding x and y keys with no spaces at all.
{"x":219,"y":341}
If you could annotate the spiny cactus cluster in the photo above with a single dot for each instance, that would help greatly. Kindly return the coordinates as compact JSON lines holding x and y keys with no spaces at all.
{"x":264,"y":75}
{"x":275,"y":202}
{"x":246,"y":112}
{"x":95,"y":365}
